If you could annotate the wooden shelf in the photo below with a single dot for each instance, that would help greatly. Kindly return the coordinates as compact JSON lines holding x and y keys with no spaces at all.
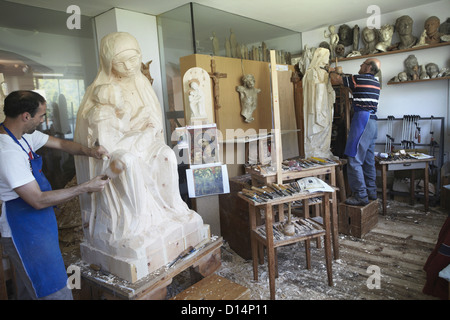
{"x":441,"y":44}
{"x":421,"y":80}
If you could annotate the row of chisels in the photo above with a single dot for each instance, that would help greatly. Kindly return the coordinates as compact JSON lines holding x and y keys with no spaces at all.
{"x":270,"y":192}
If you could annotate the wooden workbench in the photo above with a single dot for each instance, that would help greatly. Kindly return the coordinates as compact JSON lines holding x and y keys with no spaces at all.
{"x":99,"y":285}
{"x":404,"y":164}
{"x":334,"y":170}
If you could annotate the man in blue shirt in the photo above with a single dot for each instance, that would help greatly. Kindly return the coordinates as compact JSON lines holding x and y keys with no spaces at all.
{"x":360,"y":145}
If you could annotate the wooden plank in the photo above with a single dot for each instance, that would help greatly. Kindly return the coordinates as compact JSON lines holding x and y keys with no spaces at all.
{"x":288,"y":124}
{"x":276,"y":116}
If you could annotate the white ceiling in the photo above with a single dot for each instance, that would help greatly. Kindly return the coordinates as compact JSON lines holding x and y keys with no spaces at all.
{"x":296,"y":15}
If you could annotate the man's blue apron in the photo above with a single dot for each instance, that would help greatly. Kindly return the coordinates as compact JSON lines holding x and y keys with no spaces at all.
{"x":35,"y":236}
{"x":357,"y":126}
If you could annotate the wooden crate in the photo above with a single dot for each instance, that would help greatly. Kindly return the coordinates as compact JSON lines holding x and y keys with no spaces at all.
{"x":214,"y":287}
{"x":356,"y":220}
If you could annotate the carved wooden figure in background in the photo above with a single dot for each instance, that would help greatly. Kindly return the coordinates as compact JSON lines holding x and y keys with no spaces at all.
{"x":249,"y":97}
{"x":139,"y":220}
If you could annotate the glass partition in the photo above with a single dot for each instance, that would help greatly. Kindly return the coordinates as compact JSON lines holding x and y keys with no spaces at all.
{"x":39,"y":52}
{"x":195,"y":28}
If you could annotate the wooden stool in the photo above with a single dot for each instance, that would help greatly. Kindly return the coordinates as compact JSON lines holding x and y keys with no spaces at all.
{"x":214,"y":287}
{"x":305,"y":230}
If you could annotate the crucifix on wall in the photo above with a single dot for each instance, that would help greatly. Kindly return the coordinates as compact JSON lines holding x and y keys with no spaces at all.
{"x":216,"y":76}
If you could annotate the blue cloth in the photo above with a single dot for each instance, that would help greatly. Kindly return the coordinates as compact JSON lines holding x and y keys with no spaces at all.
{"x":35,"y":236}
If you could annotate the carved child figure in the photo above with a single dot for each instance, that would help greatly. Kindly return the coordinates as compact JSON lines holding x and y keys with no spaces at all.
{"x":196,"y":100}
{"x":249,"y":97}
{"x":334,"y":38}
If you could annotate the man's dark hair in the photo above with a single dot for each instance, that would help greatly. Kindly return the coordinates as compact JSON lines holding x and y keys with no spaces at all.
{"x":18,"y":102}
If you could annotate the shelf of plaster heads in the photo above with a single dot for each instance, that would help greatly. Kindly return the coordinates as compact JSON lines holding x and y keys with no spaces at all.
{"x":429,"y":46}
{"x":420,"y":80}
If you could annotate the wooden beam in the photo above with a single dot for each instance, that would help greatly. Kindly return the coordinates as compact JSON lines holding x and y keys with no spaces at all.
{"x":276,"y":116}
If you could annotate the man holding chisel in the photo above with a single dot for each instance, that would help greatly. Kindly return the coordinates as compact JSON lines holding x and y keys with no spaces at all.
{"x":360,"y":145}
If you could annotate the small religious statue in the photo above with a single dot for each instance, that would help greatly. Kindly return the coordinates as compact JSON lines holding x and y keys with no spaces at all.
{"x":227,"y":47}
{"x":412,"y":67}
{"x":369,"y":37}
{"x":403,"y":26}
{"x":386,"y":33}
{"x":196,"y":100}
{"x":249,"y":97}
{"x":215,"y":44}
{"x":432,"y":30}
{"x":334,"y":38}
{"x":233,"y":44}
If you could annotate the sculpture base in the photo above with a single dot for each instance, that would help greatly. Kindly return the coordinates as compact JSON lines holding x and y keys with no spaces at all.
{"x":158,"y":254}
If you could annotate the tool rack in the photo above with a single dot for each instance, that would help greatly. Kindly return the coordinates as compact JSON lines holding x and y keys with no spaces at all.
{"x":396,"y":141}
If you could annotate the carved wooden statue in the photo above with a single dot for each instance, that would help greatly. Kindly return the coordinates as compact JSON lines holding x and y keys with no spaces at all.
{"x":139,"y":222}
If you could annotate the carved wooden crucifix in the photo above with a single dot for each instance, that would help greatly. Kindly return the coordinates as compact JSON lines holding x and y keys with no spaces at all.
{"x":216,"y":76}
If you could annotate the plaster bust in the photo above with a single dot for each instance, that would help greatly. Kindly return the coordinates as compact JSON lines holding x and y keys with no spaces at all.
{"x":412,"y":67}
{"x":432,"y":33}
{"x":403,"y":26}
{"x":432,"y":70}
{"x":386,"y":33}
{"x":369,"y":37}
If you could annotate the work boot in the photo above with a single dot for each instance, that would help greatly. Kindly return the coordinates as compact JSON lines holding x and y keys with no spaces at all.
{"x":353,"y":201}
{"x":373,"y":196}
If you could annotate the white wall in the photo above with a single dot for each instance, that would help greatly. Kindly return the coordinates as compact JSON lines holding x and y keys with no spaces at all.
{"x":421,"y":98}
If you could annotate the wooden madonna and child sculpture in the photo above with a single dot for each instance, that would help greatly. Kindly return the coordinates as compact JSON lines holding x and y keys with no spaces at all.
{"x":139,"y":222}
